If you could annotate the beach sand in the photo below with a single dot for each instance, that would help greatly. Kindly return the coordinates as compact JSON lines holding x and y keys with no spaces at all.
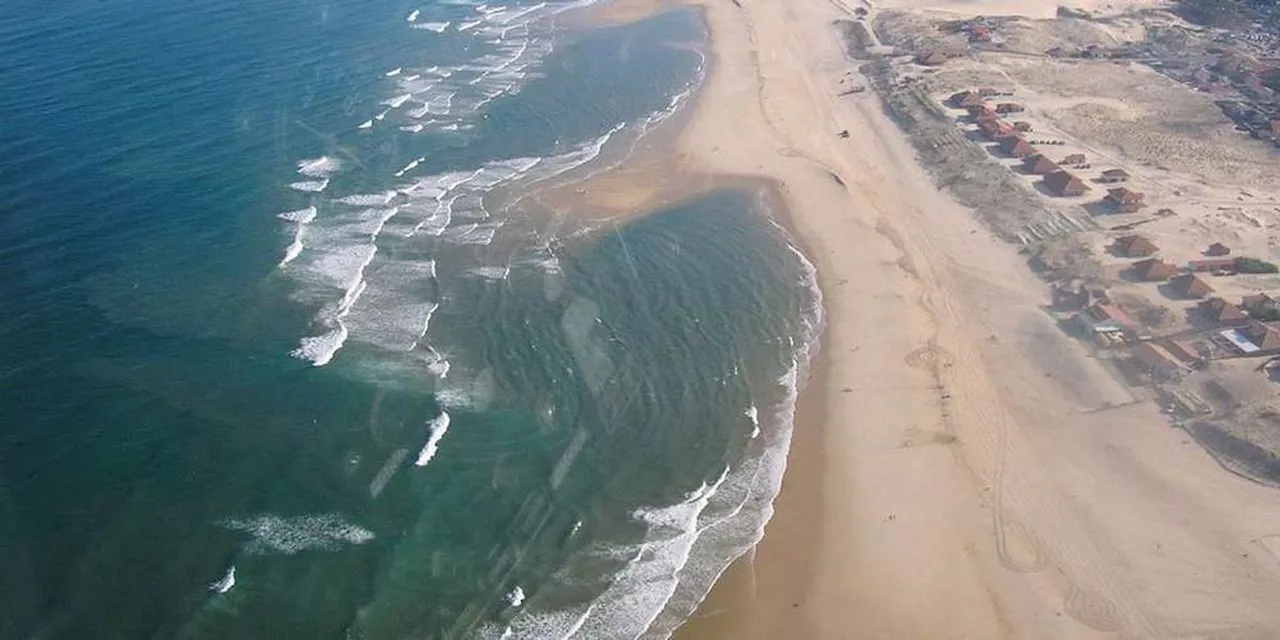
{"x":961,"y":468}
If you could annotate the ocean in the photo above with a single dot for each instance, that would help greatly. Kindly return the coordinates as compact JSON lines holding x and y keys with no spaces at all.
{"x":289,"y":352}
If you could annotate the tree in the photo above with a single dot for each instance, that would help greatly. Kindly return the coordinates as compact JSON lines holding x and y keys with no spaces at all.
{"x":1254,"y":265}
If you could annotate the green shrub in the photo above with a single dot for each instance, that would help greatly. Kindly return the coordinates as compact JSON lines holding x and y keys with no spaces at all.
{"x":1254,"y":265}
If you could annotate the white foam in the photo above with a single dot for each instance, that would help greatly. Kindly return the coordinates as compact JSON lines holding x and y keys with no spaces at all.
{"x":413,"y":17}
{"x":508,"y":19}
{"x":437,"y":27}
{"x":490,"y":273}
{"x":472,"y":234}
{"x":289,"y":535}
{"x":395,"y":308}
{"x":437,"y":364}
{"x":320,"y":167}
{"x":410,"y":167}
{"x":366,"y":124}
{"x":319,"y":350}
{"x":429,"y":309}
{"x":435,"y":225}
{"x":300,"y":216}
{"x":419,"y":112}
{"x":412,"y":128}
{"x":515,"y":597}
{"x":753,"y":415}
{"x":394,"y":72}
{"x":310,"y":186}
{"x":469,"y":25}
{"x":395,"y":102}
{"x":295,"y":248}
{"x":407,"y":79}
{"x":436,"y":428}
{"x":368,"y":199}
{"x":377,"y":219}
{"x":382,"y":115}
{"x":226,"y":582}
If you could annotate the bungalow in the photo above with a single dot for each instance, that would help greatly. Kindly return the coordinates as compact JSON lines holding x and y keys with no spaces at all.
{"x":1190,"y":285}
{"x":981,"y":110}
{"x":1039,"y":164}
{"x":996,"y":129}
{"x":1186,"y":351}
{"x":1075,"y":158}
{"x":965,"y":99}
{"x":1258,"y":303}
{"x":1217,"y":249}
{"x":1263,"y":336}
{"x":1064,"y":183}
{"x":1022,"y":126}
{"x":1157,"y":360}
{"x":1211,"y":264}
{"x":983,"y":118}
{"x":1016,"y":146}
{"x":1125,"y":199}
{"x":1106,"y":318}
{"x":1114,"y":175}
{"x":1009,"y":107}
{"x":1153,"y":270}
{"x":1223,"y":313}
{"x":1134,"y":246}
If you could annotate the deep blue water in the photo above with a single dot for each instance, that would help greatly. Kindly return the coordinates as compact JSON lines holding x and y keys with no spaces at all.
{"x":161,"y":425}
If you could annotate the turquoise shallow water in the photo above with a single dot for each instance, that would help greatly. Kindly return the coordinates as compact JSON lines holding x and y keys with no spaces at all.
{"x":403,"y":408}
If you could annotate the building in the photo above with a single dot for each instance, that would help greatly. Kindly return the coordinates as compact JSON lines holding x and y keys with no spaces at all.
{"x":1211,"y":264}
{"x":982,"y":111}
{"x":1114,"y":175}
{"x":1157,"y":360}
{"x":1039,"y":164}
{"x":983,"y":117}
{"x":1064,"y":183}
{"x":996,"y":129}
{"x":1263,"y":336}
{"x":1223,"y":313}
{"x":1153,"y":270}
{"x":1125,"y":199}
{"x":1022,"y":126}
{"x":965,"y":99}
{"x":1108,"y":319}
{"x":1217,"y":249}
{"x":1009,"y":107}
{"x":1190,"y":285}
{"x":1075,"y":158}
{"x":987,"y":91}
{"x":1134,"y":246}
{"x":1258,"y":303}
{"x":1186,"y":351}
{"x":1016,"y":146}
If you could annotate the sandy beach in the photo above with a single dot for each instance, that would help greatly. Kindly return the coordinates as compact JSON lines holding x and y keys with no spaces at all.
{"x":961,"y":468}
